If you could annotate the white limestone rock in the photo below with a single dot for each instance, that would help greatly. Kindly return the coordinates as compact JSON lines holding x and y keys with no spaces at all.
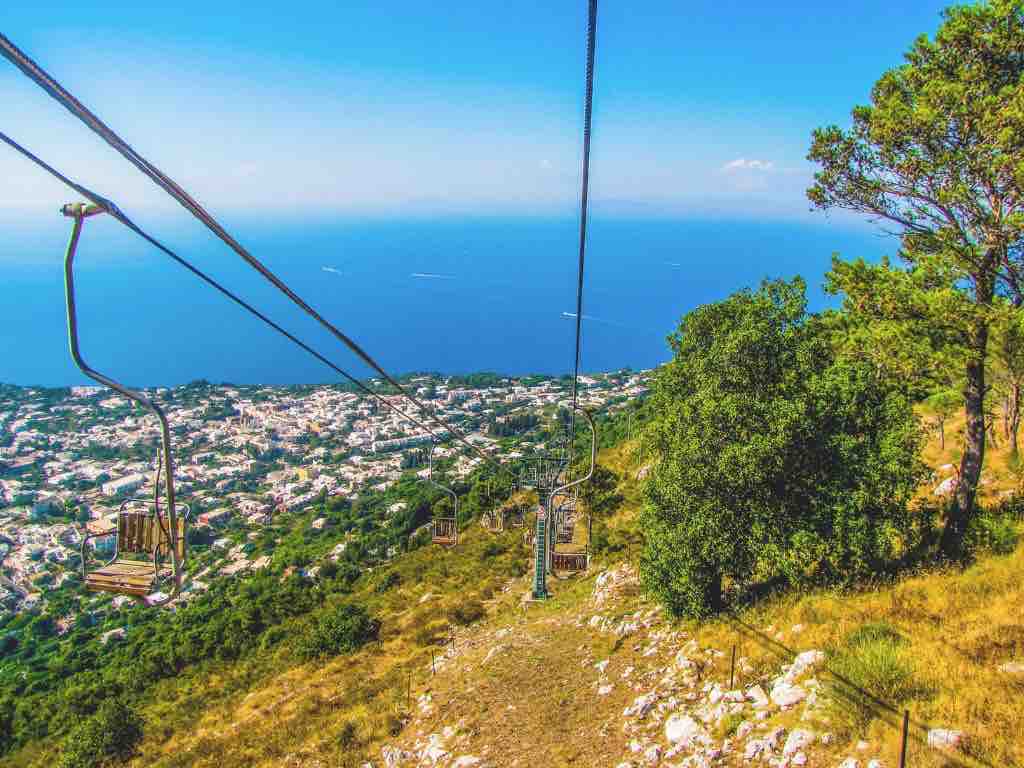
{"x":805,"y":662}
{"x":682,"y":730}
{"x":798,"y":740}
{"x":757,"y":695}
{"x":467,"y":761}
{"x":774,"y":736}
{"x":787,"y":695}
{"x":492,"y":653}
{"x":943,"y":738}
{"x":394,"y":756}
{"x":652,"y":754}
{"x":641,"y":705}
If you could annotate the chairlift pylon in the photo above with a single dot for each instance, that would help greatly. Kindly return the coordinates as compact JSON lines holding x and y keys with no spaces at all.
{"x":137,"y":533}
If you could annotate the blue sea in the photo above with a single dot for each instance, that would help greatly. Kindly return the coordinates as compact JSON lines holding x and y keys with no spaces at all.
{"x":448,"y":294}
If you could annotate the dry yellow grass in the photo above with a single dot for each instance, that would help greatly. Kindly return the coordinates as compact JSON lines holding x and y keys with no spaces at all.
{"x":534,"y":702}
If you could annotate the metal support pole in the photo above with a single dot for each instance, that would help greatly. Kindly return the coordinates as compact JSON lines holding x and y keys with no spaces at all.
{"x":78,"y":212}
{"x":540,"y":541}
{"x":906,"y":731}
{"x":732,"y":667}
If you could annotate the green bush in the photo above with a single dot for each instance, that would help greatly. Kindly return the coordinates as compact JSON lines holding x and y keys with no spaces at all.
{"x":339,"y":630}
{"x":493,"y":549}
{"x":776,"y":456}
{"x":110,"y":734}
{"x":388,"y":581}
{"x":993,"y":531}
{"x":466,"y":612}
{"x":873,"y":632}
{"x":874,"y":660}
{"x":272,"y":637}
{"x":348,"y":735}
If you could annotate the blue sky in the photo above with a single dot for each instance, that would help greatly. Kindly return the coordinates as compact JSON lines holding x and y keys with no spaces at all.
{"x":400,"y":109}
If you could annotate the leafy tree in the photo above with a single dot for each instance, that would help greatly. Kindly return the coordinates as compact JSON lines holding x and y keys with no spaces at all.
{"x":341,"y":630}
{"x":775,"y":456}
{"x":600,"y":493}
{"x":944,"y":404}
{"x":110,"y":734}
{"x":937,"y":157}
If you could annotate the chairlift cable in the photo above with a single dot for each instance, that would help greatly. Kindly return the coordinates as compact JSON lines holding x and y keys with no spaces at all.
{"x":588,"y":108}
{"x":121,"y":217}
{"x":35,"y":73}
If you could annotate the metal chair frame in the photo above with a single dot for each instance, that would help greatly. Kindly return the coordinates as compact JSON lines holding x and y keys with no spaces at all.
{"x":163,"y":544}
{"x":445,"y":531}
{"x":561,"y":563}
{"x":78,"y":212}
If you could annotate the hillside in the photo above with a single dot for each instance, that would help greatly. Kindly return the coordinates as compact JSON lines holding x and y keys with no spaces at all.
{"x":599,"y":676}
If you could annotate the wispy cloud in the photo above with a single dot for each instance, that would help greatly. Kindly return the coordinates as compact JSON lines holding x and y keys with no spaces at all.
{"x":431,"y":276}
{"x":744,"y":164}
{"x":332,"y":270}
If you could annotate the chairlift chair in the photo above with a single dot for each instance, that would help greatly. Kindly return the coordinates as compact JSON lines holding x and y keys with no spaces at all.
{"x":145,"y":539}
{"x":138,"y":533}
{"x":445,"y":530}
{"x":567,"y":560}
{"x":493,"y":519}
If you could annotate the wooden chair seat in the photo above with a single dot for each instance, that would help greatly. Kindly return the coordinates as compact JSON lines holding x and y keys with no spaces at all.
{"x":446,"y":531}
{"x":570,"y":562}
{"x":125,"y":577}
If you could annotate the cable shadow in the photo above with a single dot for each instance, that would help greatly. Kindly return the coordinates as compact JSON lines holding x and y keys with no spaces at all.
{"x":883,"y":710}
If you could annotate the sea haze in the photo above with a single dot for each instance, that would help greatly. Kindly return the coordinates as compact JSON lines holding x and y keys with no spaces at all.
{"x":449,"y":294}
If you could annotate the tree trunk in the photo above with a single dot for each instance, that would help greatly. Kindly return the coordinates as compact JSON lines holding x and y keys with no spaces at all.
{"x":711,"y":581}
{"x":962,"y":509}
{"x":1014,"y":417}
{"x":942,"y":434}
{"x":1006,"y":416}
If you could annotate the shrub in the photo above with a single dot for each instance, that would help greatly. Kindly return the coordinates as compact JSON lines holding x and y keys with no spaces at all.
{"x":873,"y":660}
{"x":872,"y":632}
{"x":348,"y":735}
{"x":110,"y":734}
{"x":993,"y":531}
{"x":388,"y":581}
{"x":466,"y":612}
{"x":493,"y":549}
{"x":339,"y":630}
{"x":272,"y":637}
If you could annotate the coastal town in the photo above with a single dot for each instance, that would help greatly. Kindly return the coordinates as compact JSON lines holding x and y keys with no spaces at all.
{"x":244,"y":456}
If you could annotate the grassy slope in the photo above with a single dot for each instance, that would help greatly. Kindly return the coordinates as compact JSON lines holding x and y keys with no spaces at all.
{"x":534,"y":701}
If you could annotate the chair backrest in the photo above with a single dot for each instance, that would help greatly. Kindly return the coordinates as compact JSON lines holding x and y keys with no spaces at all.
{"x":141,"y":533}
{"x":570,"y":561}
{"x":445,"y":529}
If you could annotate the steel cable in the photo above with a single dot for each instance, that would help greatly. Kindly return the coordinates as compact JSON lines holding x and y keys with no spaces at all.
{"x":121,"y":217}
{"x":588,"y":107}
{"x":39,"y":76}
